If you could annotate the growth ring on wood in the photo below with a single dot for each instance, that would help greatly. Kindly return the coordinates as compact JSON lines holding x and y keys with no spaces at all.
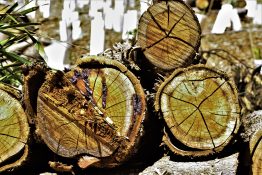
{"x":97,"y":109}
{"x":201,"y":110}
{"x":169,"y":34}
{"x":14,"y":129}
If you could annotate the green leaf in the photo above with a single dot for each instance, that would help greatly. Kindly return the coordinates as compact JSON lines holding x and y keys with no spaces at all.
{"x":14,"y":64}
{"x":3,"y":42}
{"x":14,"y":40}
{"x":14,"y":56}
{"x":10,"y":34}
{"x":12,"y":8}
{"x":19,"y":25}
{"x":39,"y":47}
{"x":24,"y":12}
{"x":5,"y":77}
{"x":257,"y":53}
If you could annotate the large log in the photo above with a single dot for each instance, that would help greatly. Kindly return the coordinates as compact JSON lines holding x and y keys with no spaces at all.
{"x":164,"y":166}
{"x":14,"y":129}
{"x":169,"y":34}
{"x":95,"y":109}
{"x":201,"y":110}
{"x":253,"y":133}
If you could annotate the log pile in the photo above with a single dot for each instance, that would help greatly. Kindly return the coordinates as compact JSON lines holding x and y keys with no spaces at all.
{"x":96,"y":111}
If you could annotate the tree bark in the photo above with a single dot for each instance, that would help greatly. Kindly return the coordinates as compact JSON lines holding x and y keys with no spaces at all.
{"x":169,"y":34}
{"x":253,"y":133}
{"x":96,"y":109}
{"x":164,"y":166}
{"x":201,"y":110}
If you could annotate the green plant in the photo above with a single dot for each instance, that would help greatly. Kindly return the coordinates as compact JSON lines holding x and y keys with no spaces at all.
{"x":15,"y":28}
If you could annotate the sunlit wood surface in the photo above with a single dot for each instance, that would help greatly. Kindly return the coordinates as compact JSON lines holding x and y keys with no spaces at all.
{"x":169,"y":34}
{"x":256,"y":152}
{"x":96,"y":108}
{"x":14,"y":129}
{"x":200,"y":107}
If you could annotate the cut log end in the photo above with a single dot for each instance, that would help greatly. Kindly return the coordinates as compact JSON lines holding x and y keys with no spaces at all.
{"x":256,"y":152}
{"x":14,"y":129}
{"x":201,"y":110}
{"x":97,"y":109}
{"x":169,"y":34}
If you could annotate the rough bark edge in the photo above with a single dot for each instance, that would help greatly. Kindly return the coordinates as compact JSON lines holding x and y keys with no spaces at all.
{"x":164,"y":166}
{"x":255,"y":146}
{"x":252,"y":123}
{"x":14,"y":92}
{"x":16,"y":163}
{"x":36,"y":72}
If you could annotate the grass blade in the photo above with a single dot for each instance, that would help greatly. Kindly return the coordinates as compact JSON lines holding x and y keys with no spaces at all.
{"x":14,"y":56}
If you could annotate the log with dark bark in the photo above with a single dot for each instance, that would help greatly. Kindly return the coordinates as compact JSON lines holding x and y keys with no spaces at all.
{"x":34,"y":77}
{"x":95,"y":109}
{"x":256,"y":152}
{"x":201,"y":110}
{"x":14,"y":129}
{"x":164,"y":166}
{"x":169,"y":34}
{"x":253,"y":133}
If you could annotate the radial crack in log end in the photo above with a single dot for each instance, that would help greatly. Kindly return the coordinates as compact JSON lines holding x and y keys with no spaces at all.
{"x":97,"y":108}
{"x":201,"y":110}
{"x":14,"y":130}
{"x":169,"y":34}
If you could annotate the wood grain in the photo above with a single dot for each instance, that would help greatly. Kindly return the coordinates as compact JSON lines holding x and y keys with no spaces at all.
{"x":169,"y":34}
{"x":200,"y":107}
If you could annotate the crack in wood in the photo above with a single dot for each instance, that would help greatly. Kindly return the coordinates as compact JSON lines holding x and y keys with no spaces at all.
{"x":167,"y":34}
{"x":197,"y":108}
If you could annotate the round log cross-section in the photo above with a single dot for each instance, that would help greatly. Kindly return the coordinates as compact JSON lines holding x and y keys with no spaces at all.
{"x":14,"y":130}
{"x":201,"y":110}
{"x":169,"y":34}
{"x":95,"y":109}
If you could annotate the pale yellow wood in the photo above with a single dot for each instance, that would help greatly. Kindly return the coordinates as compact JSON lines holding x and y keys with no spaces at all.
{"x":169,"y":34}
{"x":255,"y":146}
{"x":14,"y":128}
{"x":97,"y":108}
{"x":200,"y":107}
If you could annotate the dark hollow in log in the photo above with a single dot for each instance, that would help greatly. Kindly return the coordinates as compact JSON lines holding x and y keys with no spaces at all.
{"x":169,"y":34}
{"x":95,"y":109}
{"x":33,"y":79}
{"x":201,"y":110}
{"x":14,"y":130}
